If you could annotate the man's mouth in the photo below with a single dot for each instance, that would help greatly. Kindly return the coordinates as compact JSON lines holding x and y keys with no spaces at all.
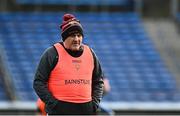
{"x":76,"y":44}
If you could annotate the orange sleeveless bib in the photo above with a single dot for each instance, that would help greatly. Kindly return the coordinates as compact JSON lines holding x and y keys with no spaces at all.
{"x":71,"y":79}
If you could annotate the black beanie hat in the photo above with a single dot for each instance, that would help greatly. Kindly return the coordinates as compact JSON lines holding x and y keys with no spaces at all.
{"x":69,"y":26}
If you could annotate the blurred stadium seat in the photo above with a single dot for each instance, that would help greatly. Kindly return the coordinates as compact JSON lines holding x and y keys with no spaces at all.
{"x":178,"y":17}
{"x":3,"y":95}
{"x":127,"y":54}
{"x":76,"y":2}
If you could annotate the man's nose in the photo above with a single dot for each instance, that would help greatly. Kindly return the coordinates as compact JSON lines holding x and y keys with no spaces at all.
{"x":75,"y":37}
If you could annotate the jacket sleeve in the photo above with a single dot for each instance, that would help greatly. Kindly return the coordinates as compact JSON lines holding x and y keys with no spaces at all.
{"x":44,"y":68}
{"x":97,"y":82}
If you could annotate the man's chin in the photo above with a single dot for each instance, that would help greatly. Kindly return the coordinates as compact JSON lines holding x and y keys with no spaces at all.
{"x":75,"y":48}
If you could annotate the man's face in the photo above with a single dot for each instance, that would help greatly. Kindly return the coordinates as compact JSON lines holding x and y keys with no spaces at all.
{"x":73,"y":42}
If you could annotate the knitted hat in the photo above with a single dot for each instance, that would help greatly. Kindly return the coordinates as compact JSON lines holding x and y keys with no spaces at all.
{"x":70,"y":25}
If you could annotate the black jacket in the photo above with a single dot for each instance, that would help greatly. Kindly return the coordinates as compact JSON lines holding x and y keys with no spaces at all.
{"x":47,"y":62}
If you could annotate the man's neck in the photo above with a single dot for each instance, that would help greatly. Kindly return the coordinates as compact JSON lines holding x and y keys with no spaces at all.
{"x":73,"y":53}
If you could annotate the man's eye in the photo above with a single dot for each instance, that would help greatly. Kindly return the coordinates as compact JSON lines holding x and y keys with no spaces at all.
{"x":78,"y":35}
{"x":73,"y":35}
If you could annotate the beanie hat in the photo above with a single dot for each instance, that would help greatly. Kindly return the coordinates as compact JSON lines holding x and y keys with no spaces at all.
{"x":70,"y":25}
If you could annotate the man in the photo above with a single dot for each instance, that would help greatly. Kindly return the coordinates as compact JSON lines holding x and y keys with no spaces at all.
{"x":69,"y":76}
